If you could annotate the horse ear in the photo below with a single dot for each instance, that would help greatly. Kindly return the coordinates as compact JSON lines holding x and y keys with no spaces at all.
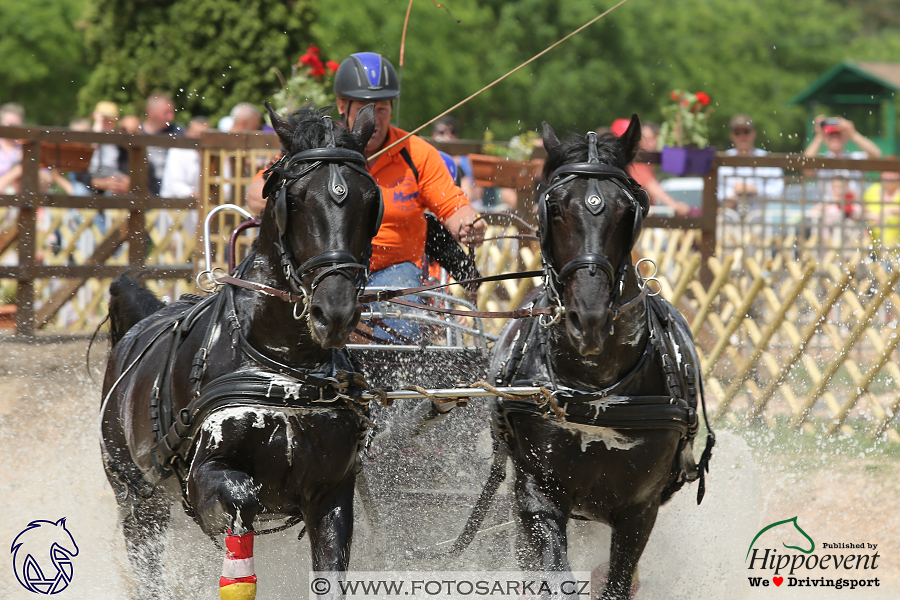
{"x":281,"y":126}
{"x":364,"y":124}
{"x":630,"y":141}
{"x":551,"y":142}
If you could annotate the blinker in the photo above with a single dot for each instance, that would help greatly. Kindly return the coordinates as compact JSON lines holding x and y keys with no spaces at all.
{"x":281,"y":209}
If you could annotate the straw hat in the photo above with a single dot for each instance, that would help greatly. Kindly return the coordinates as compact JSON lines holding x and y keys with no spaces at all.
{"x":107,"y":109}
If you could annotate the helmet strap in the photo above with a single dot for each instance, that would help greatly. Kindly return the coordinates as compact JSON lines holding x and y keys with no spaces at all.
{"x":345,"y":119}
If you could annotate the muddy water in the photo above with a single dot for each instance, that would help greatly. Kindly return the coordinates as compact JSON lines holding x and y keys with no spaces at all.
{"x":51,"y":469}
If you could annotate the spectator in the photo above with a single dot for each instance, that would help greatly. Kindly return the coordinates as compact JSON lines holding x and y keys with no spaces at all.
{"x":130,"y":124}
{"x":882,"y":208}
{"x":839,"y":185}
{"x":743,"y":183}
{"x":246,"y":118}
{"x":444,"y":130}
{"x":108,"y":171}
{"x":11,"y":115}
{"x":644,"y":173}
{"x":160,"y":117}
{"x":77,"y":186}
{"x":181,"y":179}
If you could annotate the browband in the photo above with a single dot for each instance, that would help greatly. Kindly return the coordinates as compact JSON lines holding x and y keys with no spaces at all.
{"x":588,"y":169}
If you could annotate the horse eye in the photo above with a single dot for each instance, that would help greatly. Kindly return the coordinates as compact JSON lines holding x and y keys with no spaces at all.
{"x":555,"y":210}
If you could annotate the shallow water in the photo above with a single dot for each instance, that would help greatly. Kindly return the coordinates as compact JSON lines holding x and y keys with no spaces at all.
{"x":51,"y":469}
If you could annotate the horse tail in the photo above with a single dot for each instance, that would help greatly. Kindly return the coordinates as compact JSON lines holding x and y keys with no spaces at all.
{"x":482,"y":506}
{"x":129,"y":302}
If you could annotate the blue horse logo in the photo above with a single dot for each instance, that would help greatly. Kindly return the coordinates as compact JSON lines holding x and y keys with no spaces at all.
{"x":42,"y":556}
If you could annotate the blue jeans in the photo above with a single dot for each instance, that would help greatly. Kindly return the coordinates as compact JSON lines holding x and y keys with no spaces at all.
{"x":404,"y":275}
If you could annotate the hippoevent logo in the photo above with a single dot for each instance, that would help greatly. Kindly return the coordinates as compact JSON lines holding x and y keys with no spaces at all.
{"x":42,"y":556}
{"x":841,"y":565}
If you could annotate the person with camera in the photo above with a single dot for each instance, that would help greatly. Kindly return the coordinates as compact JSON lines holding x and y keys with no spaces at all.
{"x":842,"y":186}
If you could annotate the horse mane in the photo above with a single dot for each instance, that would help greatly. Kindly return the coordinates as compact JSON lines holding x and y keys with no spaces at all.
{"x":575,"y":149}
{"x":310,"y":126}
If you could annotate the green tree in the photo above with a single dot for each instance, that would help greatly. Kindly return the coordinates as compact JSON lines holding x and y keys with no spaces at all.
{"x":43,"y":59}
{"x":208,"y":54}
{"x":749,"y":56}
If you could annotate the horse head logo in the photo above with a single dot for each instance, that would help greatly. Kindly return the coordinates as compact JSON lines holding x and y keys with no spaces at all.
{"x":812,"y":544}
{"x":42,"y":556}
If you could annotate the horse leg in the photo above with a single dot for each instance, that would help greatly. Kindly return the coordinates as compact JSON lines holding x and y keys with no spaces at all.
{"x":631,"y":530}
{"x":330,"y":528}
{"x":219,"y":494}
{"x":542,"y":542}
{"x":144,"y":522}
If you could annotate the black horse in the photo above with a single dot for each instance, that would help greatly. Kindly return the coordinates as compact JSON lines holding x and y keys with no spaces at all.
{"x":616,"y":439}
{"x":243,"y":404}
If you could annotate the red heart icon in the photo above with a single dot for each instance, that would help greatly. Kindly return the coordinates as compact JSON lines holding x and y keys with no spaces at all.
{"x":778,"y":580}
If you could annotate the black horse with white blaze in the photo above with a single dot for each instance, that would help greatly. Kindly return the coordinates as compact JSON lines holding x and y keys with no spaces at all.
{"x":243,"y":404}
{"x":620,"y":361}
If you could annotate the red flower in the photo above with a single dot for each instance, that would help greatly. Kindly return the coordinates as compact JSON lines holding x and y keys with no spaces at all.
{"x":332,"y":65}
{"x":674,"y":96}
{"x":702,"y":98}
{"x":313,"y":50}
{"x":313,"y":62}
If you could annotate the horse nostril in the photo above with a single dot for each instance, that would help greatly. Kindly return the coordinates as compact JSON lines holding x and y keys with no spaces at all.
{"x":318,"y":316}
{"x":574,"y":322}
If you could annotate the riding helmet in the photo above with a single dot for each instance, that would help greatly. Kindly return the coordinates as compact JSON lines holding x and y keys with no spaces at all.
{"x":366,"y":76}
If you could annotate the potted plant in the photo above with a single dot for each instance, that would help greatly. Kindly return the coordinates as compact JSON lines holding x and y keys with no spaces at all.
{"x":684,"y":135}
{"x":507,"y":165}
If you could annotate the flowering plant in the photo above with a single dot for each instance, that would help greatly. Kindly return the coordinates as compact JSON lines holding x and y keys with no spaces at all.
{"x":310,"y":81}
{"x":686,"y":120}
{"x":520,"y":147}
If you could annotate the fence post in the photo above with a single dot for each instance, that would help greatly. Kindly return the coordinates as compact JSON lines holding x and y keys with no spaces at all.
{"x":140,"y":189}
{"x":708,"y":219}
{"x":28,"y":193}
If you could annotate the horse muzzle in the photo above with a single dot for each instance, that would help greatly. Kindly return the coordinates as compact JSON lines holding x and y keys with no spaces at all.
{"x":588,"y":323}
{"x":333,"y":317}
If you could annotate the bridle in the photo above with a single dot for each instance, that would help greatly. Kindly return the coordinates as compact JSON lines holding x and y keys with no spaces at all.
{"x":594,"y":171}
{"x":330,"y":262}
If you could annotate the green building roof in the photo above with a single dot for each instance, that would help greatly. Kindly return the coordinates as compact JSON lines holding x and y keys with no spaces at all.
{"x":852,"y":82}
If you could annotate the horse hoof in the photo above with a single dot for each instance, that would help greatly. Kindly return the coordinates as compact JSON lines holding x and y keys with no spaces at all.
{"x":600,"y":577}
{"x":238,"y":591}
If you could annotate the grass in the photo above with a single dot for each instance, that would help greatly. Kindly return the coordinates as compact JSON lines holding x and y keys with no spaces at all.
{"x":810,"y":452}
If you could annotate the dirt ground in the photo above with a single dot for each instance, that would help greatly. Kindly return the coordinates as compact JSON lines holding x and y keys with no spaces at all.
{"x":841,"y":490}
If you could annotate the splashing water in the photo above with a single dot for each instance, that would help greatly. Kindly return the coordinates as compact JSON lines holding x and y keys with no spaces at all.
{"x":422,"y":491}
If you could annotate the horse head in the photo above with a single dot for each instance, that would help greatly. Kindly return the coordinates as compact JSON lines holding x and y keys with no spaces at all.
{"x":323,"y":209}
{"x":590,"y":215}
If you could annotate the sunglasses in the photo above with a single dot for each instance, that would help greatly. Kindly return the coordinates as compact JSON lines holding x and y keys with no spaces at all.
{"x":741,"y":131}
{"x":442,"y":131}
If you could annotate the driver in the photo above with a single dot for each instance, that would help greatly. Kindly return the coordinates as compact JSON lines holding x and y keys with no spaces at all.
{"x":412,"y":176}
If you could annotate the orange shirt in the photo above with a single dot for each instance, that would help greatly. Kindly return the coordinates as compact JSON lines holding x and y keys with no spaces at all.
{"x":402,"y":234}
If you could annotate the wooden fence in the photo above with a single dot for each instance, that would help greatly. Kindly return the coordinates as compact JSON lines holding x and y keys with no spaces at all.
{"x":795,"y":319}
{"x":59,"y":252}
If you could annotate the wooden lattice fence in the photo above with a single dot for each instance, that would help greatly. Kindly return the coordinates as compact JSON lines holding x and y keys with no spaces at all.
{"x":795,"y":337}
